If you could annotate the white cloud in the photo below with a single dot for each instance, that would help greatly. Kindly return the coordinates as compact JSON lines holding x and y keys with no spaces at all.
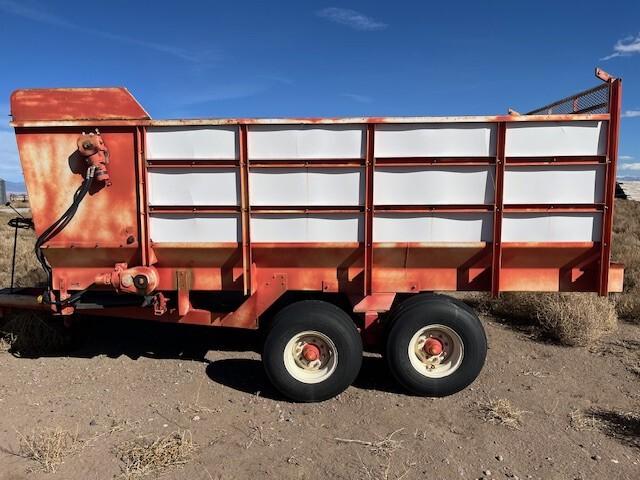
{"x":625,"y":47}
{"x":625,"y":157}
{"x":36,"y":14}
{"x":630,"y":166}
{"x":358,"y":98}
{"x":631,"y":113}
{"x":351,"y":19}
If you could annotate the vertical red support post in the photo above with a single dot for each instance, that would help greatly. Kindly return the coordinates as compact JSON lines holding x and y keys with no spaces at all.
{"x":615,"y":106}
{"x":245,"y":210}
{"x":369,"y":169}
{"x":143,"y":207}
{"x":498,"y":210}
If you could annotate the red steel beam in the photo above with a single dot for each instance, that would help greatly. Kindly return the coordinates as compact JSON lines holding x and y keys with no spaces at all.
{"x":247,"y":258}
{"x":79,"y":122}
{"x":426,"y":161}
{"x":370,"y":165}
{"x":194,"y":208}
{"x":201,"y":163}
{"x":615,"y":107}
{"x":498,"y":210}
{"x":143,"y":207}
{"x":308,"y":163}
{"x":444,"y":208}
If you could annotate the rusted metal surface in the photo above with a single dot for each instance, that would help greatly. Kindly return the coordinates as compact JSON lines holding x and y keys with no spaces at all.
{"x":75,"y":104}
{"x":312,"y":121}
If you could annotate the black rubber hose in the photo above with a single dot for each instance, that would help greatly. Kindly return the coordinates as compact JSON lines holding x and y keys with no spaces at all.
{"x":54,"y":229}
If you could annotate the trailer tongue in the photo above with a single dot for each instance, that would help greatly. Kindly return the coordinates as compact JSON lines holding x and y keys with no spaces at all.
{"x":322,"y":230}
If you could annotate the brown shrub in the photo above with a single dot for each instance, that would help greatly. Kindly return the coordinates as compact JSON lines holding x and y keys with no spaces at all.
{"x":626,"y":249}
{"x":573,"y":319}
{"x":49,"y":446}
{"x":501,"y":412}
{"x":144,"y":457}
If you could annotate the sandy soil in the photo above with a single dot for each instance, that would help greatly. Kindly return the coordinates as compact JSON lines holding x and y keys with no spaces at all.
{"x":151,"y":379}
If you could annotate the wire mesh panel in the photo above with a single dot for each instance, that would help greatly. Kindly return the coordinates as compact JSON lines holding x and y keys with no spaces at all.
{"x":594,"y":100}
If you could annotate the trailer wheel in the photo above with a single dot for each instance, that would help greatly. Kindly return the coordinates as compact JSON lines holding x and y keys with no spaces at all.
{"x":435,"y":347}
{"x":312,"y":352}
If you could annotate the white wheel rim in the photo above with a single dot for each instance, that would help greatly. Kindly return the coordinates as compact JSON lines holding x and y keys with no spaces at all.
{"x":304,"y":369}
{"x":442,"y":364}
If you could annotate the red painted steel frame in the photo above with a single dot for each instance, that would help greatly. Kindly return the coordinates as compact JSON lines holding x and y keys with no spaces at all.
{"x":496,"y":263}
{"x":615,"y":106}
{"x":369,"y":273}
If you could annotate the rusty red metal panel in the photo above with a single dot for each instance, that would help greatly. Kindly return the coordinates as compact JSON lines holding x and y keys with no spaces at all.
{"x":54,"y":152}
{"x":615,"y":107}
{"x":75,"y":104}
{"x":499,"y":210}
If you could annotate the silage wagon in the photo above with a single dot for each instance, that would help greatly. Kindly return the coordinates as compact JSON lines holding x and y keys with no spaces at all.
{"x":323,"y":231}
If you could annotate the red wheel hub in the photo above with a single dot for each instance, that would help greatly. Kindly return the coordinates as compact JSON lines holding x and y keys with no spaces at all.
{"x":433,"y":346}
{"x":310,"y":352}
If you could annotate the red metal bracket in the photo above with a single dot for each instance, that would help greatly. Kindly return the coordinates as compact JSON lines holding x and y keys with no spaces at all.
{"x":246,"y":316}
{"x":604,"y":76}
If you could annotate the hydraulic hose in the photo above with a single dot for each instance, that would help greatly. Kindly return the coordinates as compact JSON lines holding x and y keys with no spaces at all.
{"x":54,"y":229}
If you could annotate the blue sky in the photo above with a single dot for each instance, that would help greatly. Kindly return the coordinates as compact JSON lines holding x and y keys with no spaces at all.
{"x":323,"y":58}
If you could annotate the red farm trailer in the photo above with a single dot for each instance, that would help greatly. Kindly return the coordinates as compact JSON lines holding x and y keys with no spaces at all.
{"x":324,"y":231}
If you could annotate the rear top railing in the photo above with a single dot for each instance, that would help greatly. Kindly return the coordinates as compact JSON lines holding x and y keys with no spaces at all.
{"x":594,"y":100}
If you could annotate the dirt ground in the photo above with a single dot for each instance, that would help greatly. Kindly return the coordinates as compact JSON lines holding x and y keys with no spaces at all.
{"x":129,"y":379}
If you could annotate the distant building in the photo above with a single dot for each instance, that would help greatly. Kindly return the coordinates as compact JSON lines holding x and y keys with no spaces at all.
{"x":3,"y":192}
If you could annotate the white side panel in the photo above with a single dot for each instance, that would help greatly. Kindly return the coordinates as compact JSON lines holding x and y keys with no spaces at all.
{"x":554,"y":184}
{"x":191,"y":143}
{"x":433,"y":185}
{"x":307,"y":228}
{"x":436,"y":140}
{"x":194,"y":228}
{"x":306,"y":187}
{"x":546,"y":139}
{"x":538,"y":227}
{"x":411,"y":227}
{"x":300,"y":142}
{"x":215,"y":186}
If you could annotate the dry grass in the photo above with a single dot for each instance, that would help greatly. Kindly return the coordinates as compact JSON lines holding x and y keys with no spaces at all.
{"x":383,"y":446}
{"x":386,"y":448}
{"x":626,"y":249}
{"x":28,"y":271}
{"x":49,"y":447}
{"x":621,"y":425}
{"x":29,"y":333}
{"x":573,"y":319}
{"x":143,"y":457}
{"x":501,"y":412}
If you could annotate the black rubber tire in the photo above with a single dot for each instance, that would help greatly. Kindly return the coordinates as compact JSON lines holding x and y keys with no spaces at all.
{"x":424,"y":310}
{"x":325,"y":318}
